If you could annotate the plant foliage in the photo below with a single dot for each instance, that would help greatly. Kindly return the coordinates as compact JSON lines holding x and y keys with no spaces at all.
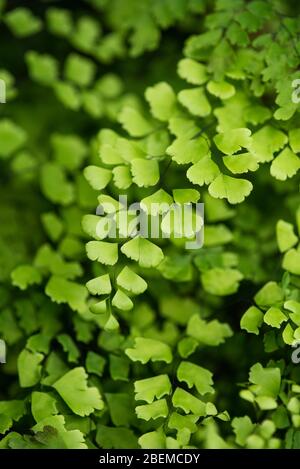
{"x":131,"y":342}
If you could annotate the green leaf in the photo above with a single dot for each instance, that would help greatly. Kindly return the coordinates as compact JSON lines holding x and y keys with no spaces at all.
{"x":257,"y":114}
{"x":86,"y":34}
{"x":54,"y":368}
{"x":255,"y":442}
{"x":233,"y":140}
{"x":49,"y":261}
{"x":73,"y":389}
{"x":59,"y":21}
{"x":92,"y":104}
{"x":280,"y":417}
{"x":99,"y":308}
{"x":127,"y":150}
{"x":293,"y":406}
{"x":194,"y":375}
{"x":121,"y":408}
{"x":143,"y":251}
{"x":43,"y":405}
{"x":131,"y":281}
{"x":145,"y":173}
{"x":105,"y":253}
{"x":155,"y":410}
{"x":9,"y":327}
{"x":98,"y":178}
{"x":5,"y":423}
{"x":79,"y":70}
{"x":217,"y":235}
{"x":110,"y":85}
{"x":157,"y":203}
{"x":243,"y":427}
{"x":146,"y":350}
{"x":119,"y":367}
{"x":153,"y":440}
{"x":270,"y":294}
{"x":95,"y":363}
{"x":134,"y":123}
{"x":274,"y":317}
{"x":184,"y":150}
{"x":252,"y":319}
{"x":64,"y":291}
{"x":108,"y":152}
{"x":265,"y":142}
{"x":291,"y":261}
{"x":286,"y":237}
{"x":210,"y":333}
{"x":162,"y":100}
{"x":232,"y":189}
{"x":99,"y":285}
{"x":24,"y":163}
{"x":55,"y":185}
{"x":188,"y":403}
{"x":10,"y":411}
{"x":203,"y":172}
{"x":241,"y":163}
{"x":186,"y":196}
{"x":115,"y":437}
{"x":68,"y":95}
{"x":181,"y":125}
{"x":195,"y":101}
{"x":288,"y":335}
{"x":95,"y":226}
{"x":285,"y":165}
{"x":182,"y":422}
{"x":25,"y":275}
{"x":155,"y":143}
{"x":122,"y":177}
{"x":218,"y":281}
{"x":122,"y":301}
{"x":221,"y":89}
{"x":191,"y":71}
{"x":294,"y":140}
{"x":29,"y":368}
{"x":266,"y":380}
{"x":172,"y":306}
{"x":69,"y":347}
{"x":51,"y":433}
{"x":39,"y":342}
{"x":22,"y":22}
{"x":239,"y":36}
{"x":294,"y":307}
{"x":217,"y":210}
{"x":177,"y":268}
{"x":12,"y":137}
{"x":187,"y":346}
{"x":43,"y":68}
{"x":69,"y":150}
{"x":152,"y":388}
{"x":52,"y":225}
